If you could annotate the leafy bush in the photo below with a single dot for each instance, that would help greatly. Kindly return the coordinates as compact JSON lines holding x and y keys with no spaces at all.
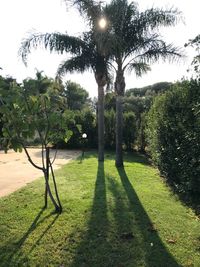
{"x":86,"y":119}
{"x":173,"y":134}
{"x":129,"y":130}
{"x":109,"y":129}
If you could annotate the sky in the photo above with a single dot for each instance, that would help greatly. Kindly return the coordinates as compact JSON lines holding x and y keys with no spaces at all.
{"x":19,"y":18}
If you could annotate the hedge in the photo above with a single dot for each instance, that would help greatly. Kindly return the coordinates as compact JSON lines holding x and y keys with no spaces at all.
{"x":173,"y":135}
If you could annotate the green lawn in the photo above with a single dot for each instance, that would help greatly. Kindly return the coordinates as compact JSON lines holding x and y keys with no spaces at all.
{"x":112,"y":218}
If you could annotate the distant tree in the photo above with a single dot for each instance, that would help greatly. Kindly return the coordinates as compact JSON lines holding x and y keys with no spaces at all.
{"x":196,"y":60}
{"x":28,"y":111}
{"x":110,"y":101}
{"x":4,"y":85}
{"x":136,"y":103}
{"x":110,"y":118}
{"x":129,"y":128}
{"x":87,"y":119}
{"x":151,"y":90}
{"x":139,"y":100}
{"x":77,"y":97}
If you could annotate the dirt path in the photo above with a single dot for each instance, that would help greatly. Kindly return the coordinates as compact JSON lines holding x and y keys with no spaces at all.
{"x":16,"y":171}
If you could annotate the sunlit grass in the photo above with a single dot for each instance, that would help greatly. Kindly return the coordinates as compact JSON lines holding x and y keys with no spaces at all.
{"x":125,"y":217}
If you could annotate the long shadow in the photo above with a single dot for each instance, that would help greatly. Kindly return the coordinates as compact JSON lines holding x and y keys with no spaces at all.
{"x":43,"y":234}
{"x":128,"y":239}
{"x":94,"y":247}
{"x":156,"y":255}
{"x":12,"y":259}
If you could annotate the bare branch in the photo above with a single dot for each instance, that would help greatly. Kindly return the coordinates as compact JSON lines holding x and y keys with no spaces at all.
{"x":30,"y":160}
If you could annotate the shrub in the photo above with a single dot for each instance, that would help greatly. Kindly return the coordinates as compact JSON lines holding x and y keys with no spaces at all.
{"x":86,"y":119}
{"x":173,"y":134}
{"x":110,"y":129}
{"x":129,"y":130}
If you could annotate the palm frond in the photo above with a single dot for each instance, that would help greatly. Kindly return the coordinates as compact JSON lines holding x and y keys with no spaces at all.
{"x":194,"y":42}
{"x":155,"y":17}
{"x":51,"y":41}
{"x":90,"y":9}
{"x":74,"y":64}
{"x":139,"y":68}
{"x":138,"y":43}
{"x":134,"y":32}
{"x":160,"y":51}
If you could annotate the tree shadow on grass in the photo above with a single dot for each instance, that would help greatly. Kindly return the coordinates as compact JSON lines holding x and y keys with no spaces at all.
{"x":11,"y":254}
{"x":119,"y":232}
{"x":94,"y":249}
{"x":154,"y":251}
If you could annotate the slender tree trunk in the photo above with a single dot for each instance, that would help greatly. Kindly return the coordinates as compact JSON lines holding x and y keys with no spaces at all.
{"x":119,"y":89}
{"x":100,"y":123}
{"x":55,"y":187}
{"x":47,"y":186}
{"x":119,"y":131}
{"x":46,"y":180}
{"x":101,"y":80}
{"x":57,"y":208}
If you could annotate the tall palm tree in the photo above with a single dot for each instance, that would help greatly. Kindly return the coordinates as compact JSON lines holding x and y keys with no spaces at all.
{"x":90,"y":58}
{"x":85,"y":55}
{"x":134,"y":42}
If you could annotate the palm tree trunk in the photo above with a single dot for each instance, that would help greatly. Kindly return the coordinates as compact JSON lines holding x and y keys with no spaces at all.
{"x":119,"y":131}
{"x":119,"y":90}
{"x":100,"y":123}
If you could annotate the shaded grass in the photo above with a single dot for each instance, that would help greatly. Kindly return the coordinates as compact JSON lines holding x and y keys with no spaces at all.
{"x":112,"y":217}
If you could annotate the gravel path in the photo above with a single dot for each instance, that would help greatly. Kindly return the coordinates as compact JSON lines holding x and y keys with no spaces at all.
{"x":16,"y":171}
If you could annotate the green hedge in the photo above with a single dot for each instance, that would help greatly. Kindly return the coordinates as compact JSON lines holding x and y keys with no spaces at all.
{"x":129,"y":129}
{"x":173,"y":134}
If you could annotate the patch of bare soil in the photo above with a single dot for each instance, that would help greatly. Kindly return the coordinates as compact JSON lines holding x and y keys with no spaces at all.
{"x":16,"y":171}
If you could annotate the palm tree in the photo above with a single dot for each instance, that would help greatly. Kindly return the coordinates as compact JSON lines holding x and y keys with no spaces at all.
{"x":134,"y":43}
{"x":90,"y":58}
{"x":85,"y":55}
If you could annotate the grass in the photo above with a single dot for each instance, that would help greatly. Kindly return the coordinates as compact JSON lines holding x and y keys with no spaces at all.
{"x":112,"y":217}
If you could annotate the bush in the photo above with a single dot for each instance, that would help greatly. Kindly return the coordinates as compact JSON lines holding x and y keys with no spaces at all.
{"x":129,"y":130}
{"x":86,"y":119}
{"x":110,"y":129}
{"x":173,"y":134}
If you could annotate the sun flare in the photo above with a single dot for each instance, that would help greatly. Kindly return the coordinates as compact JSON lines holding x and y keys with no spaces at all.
{"x":102,"y":23}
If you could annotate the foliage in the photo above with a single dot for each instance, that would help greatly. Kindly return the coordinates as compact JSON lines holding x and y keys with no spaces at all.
{"x":149,"y":90}
{"x":111,"y":217}
{"x":85,"y":55}
{"x":110,"y":118}
{"x":129,"y":133}
{"x":76,"y":96}
{"x":110,"y":101}
{"x":174,"y":135}
{"x":133,"y":43}
{"x":35,"y":109}
{"x":85,"y":118}
{"x":136,"y":102}
{"x":133,"y":37}
{"x":5,"y":85}
{"x":196,"y":60}
{"x":28,"y":111}
{"x":139,"y":101}
{"x":78,"y":103}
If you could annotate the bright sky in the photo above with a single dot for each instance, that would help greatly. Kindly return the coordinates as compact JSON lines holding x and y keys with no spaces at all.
{"x":22,"y":16}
